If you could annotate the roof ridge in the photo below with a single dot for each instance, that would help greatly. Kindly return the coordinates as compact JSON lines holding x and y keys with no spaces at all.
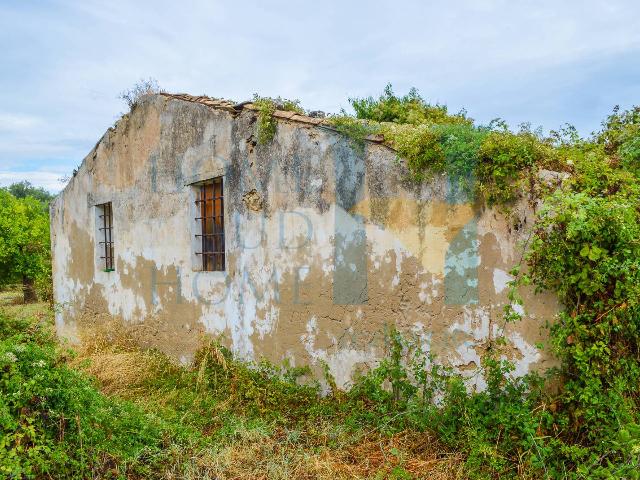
{"x":236,"y":108}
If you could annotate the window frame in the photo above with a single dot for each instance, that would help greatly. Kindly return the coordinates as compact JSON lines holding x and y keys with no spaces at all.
{"x":210,"y":224}
{"x":106,"y":251}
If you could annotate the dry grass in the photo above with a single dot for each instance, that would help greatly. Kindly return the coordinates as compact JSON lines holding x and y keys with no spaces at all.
{"x":107,"y":353}
{"x":322,"y":451}
{"x":11,"y":302}
{"x":119,"y":373}
{"x":259,"y":456}
{"x":376,"y":457}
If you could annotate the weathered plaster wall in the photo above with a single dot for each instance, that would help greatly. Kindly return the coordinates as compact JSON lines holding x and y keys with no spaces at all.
{"x":327,"y":248}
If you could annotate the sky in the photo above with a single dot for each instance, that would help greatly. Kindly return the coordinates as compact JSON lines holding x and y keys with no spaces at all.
{"x":64,"y":63}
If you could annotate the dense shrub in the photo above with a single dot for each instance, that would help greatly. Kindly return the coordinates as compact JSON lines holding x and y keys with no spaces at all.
{"x":505,"y":159}
{"x":490,"y":161}
{"x":54,"y":422}
{"x":586,"y":248}
{"x":410,"y":109}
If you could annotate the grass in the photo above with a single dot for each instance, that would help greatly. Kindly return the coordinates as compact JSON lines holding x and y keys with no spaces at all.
{"x":111,"y":410}
{"x":217,"y":419}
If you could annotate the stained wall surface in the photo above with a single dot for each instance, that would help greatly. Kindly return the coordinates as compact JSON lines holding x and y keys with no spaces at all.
{"x":328,"y":247}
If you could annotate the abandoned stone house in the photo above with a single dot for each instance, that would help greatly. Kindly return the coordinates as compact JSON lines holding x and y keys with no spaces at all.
{"x":179,"y":224}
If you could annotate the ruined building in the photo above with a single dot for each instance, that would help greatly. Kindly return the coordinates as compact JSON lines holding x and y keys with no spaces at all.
{"x":308,"y":248}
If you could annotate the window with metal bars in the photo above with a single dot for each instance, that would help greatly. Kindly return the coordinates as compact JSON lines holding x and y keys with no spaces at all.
{"x":105,"y":229}
{"x":210,"y":208}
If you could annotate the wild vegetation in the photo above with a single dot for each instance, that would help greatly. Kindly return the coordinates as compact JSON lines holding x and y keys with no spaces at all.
{"x":144,"y":417}
{"x":266,"y":108}
{"x":111,"y":410}
{"x":144,"y":87}
{"x":24,"y":239}
{"x":585,"y":247}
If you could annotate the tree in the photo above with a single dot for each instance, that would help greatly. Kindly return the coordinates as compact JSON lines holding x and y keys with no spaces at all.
{"x":25,"y":189}
{"x":24,"y":242}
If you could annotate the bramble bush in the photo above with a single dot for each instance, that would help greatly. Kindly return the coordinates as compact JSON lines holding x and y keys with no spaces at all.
{"x":586,"y":248}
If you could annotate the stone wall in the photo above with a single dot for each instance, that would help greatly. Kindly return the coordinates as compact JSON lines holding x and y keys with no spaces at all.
{"x":328,"y":247}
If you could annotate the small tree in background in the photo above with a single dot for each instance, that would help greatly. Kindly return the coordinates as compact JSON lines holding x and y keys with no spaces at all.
{"x":26,"y":189}
{"x":24,"y":242}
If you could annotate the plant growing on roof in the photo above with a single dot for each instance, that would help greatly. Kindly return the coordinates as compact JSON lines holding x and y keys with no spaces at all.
{"x":142,"y":88}
{"x":409,"y":109}
{"x":266,"y":108}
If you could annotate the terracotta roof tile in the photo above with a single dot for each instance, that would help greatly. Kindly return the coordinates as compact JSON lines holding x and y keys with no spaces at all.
{"x":377,"y":138}
{"x":283,"y":114}
{"x":305,"y":119}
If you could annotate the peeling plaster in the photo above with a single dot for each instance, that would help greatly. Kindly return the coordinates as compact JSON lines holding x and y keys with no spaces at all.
{"x":326,"y":248}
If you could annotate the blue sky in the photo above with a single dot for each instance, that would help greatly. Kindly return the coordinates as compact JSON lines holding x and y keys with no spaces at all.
{"x":65,"y":62}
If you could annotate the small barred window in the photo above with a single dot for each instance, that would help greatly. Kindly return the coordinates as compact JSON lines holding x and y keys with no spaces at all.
{"x":105,"y":229}
{"x":210,"y":208}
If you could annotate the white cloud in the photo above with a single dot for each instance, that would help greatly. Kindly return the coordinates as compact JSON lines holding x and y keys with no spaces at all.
{"x":544,"y":61}
{"x":16,"y":122}
{"x":48,"y":180}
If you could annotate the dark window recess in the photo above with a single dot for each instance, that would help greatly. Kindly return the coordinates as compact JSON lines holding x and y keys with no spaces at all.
{"x":106,"y":236}
{"x":210,"y":208}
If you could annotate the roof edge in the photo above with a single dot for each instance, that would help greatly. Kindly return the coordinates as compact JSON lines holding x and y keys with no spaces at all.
{"x":236,"y":108}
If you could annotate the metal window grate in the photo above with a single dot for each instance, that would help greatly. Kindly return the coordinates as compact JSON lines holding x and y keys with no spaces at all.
{"x":106,"y":234}
{"x":210,"y":207}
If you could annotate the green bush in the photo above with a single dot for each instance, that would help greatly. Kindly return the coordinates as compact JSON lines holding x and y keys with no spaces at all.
{"x":420,"y":145}
{"x":55,"y":423}
{"x":44,"y":284}
{"x":410,"y":109}
{"x":488,"y":161}
{"x":586,"y":248}
{"x":505,"y":159}
{"x":621,"y":136}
